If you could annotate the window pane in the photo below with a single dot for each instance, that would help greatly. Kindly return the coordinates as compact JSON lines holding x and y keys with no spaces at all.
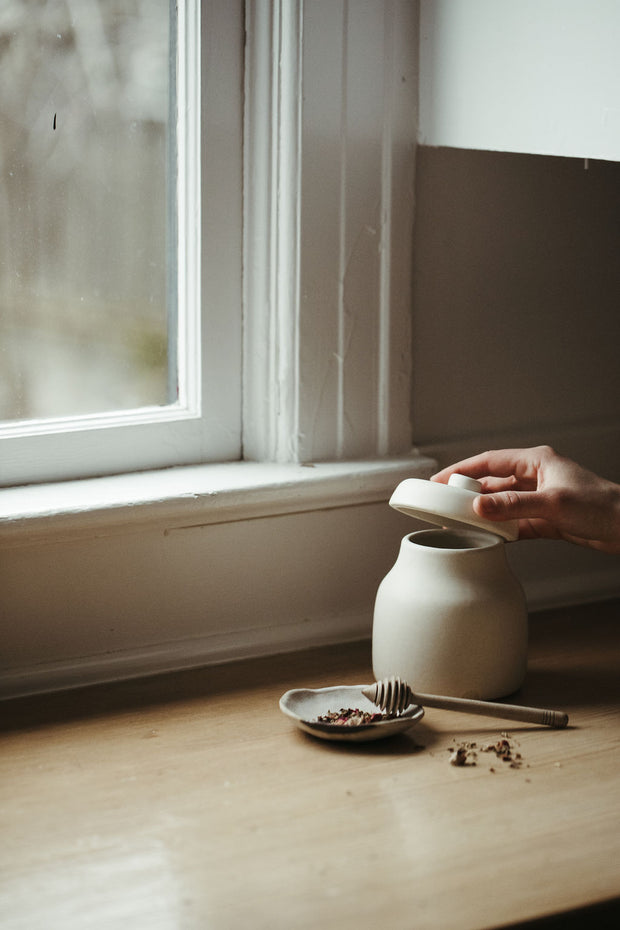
{"x":85,"y":158}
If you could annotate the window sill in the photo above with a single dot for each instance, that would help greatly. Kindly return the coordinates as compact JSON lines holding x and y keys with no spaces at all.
{"x":195,"y":496}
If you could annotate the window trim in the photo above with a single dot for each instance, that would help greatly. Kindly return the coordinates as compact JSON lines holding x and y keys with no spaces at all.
{"x":193,"y":496}
{"x":327,"y":297}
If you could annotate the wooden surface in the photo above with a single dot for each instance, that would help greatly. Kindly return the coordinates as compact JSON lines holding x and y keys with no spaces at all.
{"x":190,"y":801}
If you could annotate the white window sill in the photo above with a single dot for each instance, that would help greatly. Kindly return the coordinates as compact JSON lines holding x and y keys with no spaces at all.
{"x":195,"y":496}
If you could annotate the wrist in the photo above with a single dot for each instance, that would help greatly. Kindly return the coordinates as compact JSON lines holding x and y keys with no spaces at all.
{"x":610,"y":523}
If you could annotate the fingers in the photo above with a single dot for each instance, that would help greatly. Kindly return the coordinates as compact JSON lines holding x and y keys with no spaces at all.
{"x":549,"y":495}
{"x":511,"y":505}
{"x":523,"y":464}
{"x":493,"y":485}
{"x":526,"y":507}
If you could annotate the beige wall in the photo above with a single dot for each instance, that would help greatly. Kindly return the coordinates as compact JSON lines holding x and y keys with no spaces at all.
{"x":517,"y":301}
{"x":516,"y":327}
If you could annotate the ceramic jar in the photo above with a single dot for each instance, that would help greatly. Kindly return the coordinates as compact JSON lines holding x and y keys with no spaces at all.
{"x":450,"y":617}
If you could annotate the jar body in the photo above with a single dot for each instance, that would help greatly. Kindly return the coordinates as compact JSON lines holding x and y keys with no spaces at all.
{"x":450,"y":617}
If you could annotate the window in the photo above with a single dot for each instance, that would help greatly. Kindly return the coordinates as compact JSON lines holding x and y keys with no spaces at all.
{"x":84,"y":110}
{"x":310,"y":110}
{"x":118,"y":354}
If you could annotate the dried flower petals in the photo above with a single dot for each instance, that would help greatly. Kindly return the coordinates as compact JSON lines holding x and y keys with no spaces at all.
{"x":504,"y":750}
{"x":463,"y":754}
{"x":352,"y":717}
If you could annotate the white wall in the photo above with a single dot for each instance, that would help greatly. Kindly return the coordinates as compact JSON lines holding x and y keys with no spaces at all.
{"x":202,"y":576}
{"x":539,"y":76}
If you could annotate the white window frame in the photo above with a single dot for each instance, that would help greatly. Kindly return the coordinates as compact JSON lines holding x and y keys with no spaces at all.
{"x":326,"y":296}
{"x":311,"y":393}
{"x":204,"y":424}
{"x":328,"y":293}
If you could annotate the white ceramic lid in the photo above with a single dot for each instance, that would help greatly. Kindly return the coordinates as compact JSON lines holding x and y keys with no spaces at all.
{"x":449,"y":505}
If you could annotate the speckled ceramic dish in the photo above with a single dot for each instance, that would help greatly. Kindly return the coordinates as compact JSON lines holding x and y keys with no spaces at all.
{"x":305,"y":705}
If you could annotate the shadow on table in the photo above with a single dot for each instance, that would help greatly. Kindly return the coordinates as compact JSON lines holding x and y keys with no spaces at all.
{"x":601,"y":916}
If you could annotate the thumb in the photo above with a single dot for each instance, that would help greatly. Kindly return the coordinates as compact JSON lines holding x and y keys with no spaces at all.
{"x":509,"y":505}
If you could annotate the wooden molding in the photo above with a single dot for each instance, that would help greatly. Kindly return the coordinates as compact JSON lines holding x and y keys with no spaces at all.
{"x":331,"y":94}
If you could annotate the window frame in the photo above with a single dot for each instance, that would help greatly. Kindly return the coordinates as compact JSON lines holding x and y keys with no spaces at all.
{"x":204,"y":424}
{"x":327,"y":292}
{"x":284,"y":322}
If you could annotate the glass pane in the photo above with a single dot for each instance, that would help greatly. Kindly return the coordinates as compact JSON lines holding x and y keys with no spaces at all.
{"x":85,"y":90}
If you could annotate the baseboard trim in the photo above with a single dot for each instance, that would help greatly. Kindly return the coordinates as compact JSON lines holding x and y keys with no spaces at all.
{"x":572,"y":590}
{"x":219,"y":648}
{"x":162,"y":658}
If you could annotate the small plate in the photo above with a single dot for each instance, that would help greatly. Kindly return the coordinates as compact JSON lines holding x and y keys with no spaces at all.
{"x":304,"y":705}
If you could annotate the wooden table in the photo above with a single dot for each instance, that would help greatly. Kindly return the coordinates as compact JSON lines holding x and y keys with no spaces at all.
{"x":190,"y":801}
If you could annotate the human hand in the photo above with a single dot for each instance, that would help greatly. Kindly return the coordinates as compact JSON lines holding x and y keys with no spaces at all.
{"x":551,"y":496}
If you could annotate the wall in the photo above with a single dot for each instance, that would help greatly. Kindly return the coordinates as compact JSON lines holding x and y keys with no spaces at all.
{"x":516,"y":276}
{"x":191,"y":566}
{"x":515,"y":322}
{"x":516,"y":287}
{"x":535,"y":76}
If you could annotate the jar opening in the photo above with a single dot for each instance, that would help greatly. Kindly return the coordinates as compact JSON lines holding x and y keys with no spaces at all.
{"x":453,"y":539}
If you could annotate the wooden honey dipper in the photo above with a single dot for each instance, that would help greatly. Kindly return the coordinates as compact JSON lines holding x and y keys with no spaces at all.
{"x":393,"y":696}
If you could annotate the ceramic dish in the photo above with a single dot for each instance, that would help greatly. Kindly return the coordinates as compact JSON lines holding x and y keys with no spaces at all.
{"x":304,"y":705}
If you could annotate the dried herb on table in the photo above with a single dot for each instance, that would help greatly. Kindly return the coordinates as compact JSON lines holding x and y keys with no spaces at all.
{"x":504,"y":750}
{"x":463,"y":754}
{"x":466,"y":753}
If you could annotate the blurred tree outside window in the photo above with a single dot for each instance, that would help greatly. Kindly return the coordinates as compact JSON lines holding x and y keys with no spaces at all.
{"x":86,"y":291}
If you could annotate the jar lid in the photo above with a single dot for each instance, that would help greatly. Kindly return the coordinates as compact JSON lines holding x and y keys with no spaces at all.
{"x":449,"y":505}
